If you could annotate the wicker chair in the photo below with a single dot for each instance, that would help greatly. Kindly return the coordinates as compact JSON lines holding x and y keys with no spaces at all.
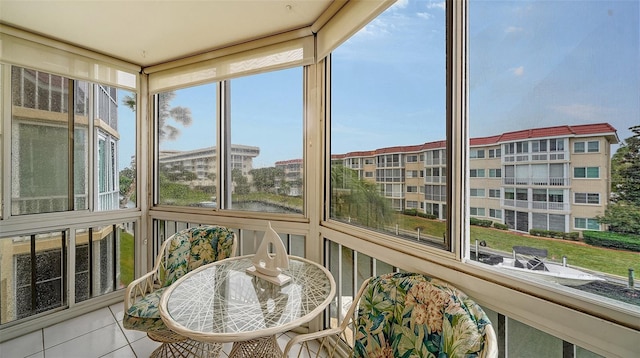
{"x":182,"y":252}
{"x":404,"y":315}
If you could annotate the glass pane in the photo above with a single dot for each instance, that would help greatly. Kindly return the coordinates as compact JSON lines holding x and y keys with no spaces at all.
{"x":387,"y":105}
{"x":531,"y":342}
{"x":40,"y":156}
{"x":561,"y":72}
{"x":20,"y":295}
{"x":186,"y":122}
{"x":266,"y":142}
{"x":126,"y":149}
{"x":115,"y":133}
{"x":104,"y":259}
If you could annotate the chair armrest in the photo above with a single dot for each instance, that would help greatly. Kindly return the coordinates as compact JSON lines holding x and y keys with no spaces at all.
{"x":303,"y":340}
{"x":140,"y":287}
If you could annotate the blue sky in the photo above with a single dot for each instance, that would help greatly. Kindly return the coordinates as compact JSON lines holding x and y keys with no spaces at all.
{"x":532,"y":64}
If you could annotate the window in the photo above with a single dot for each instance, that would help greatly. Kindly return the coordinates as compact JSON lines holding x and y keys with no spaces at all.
{"x":495,"y":153}
{"x":494,"y":193}
{"x":523,"y":98}
{"x":495,"y":213}
{"x":187,"y":148}
{"x":522,"y":147}
{"x":586,"y":172}
{"x":368,"y":174}
{"x":356,"y":86}
{"x":586,"y":224}
{"x":477,"y":192}
{"x":590,"y":147}
{"x":412,"y":189}
{"x":495,"y":173}
{"x":477,"y":211}
{"x":476,"y":153}
{"x":476,"y":173}
{"x":412,"y":204}
{"x":42,"y":181}
{"x":262,"y":166}
{"x":539,"y":146}
{"x":586,"y":198}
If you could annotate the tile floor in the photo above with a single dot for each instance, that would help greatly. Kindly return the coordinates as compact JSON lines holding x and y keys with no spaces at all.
{"x":93,"y":335}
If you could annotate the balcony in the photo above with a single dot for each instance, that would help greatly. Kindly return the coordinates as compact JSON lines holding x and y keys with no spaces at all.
{"x":547,"y":181}
{"x":533,"y":318}
{"x":535,"y":205}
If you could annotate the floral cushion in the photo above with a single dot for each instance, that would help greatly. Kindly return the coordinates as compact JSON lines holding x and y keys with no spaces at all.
{"x":144,"y":314}
{"x":411,"y":315}
{"x":194,"y":247}
{"x":187,"y":250}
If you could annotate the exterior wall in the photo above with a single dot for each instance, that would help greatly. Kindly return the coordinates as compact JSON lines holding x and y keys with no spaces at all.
{"x":600,"y":185}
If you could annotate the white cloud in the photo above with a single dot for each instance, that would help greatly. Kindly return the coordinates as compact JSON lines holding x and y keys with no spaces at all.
{"x":518,"y":71}
{"x":400,"y":4}
{"x":424,"y":15}
{"x":375,"y":28}
{"x":436,"y":5}
{"x":513,"y":29}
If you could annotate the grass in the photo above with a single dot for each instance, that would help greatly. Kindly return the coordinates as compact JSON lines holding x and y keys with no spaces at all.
{"x":127,"y":258}
{"x":614,"y":262}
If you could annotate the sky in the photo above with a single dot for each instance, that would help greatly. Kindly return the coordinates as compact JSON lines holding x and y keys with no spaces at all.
{"x":531,"y":64}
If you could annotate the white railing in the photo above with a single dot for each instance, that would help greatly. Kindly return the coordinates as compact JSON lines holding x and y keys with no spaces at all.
{"x":535,"y":205}
{"x":537,"y":181}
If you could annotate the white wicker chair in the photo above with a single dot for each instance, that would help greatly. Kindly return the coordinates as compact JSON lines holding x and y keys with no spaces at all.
{"x":391,"y":313}
{"x":182,"y":252}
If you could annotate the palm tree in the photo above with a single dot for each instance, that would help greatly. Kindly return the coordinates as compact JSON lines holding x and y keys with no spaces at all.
{"x":179,"y":114}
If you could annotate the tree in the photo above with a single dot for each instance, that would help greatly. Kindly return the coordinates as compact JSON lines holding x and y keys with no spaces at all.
{"x":357,"y":199}
{"x":622,"y":217}
{"x":625,"y":171}
{"x":241,"y":183}
{"x":264,"y":179}
{"x":179,"y":114}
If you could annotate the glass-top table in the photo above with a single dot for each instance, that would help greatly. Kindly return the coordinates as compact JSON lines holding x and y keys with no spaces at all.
{"x":221,"y":302}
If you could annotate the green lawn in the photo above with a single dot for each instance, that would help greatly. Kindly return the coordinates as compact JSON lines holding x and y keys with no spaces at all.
{"x":615,"y":262}
{"x":126,"y":258}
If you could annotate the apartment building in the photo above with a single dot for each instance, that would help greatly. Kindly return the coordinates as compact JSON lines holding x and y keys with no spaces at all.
{"x":202,"y":161}
{"x":292,"y":170}
{"x":553,"y":178}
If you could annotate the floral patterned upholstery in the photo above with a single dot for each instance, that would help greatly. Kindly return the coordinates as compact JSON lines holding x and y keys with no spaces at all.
{"x":184,"y":251}
{"x":411,"y":315}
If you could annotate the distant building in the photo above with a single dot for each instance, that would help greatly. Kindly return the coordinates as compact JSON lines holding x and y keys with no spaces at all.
{"x":554,"y":178}
{"x":202,"y":161}
{"x":293,"y":170}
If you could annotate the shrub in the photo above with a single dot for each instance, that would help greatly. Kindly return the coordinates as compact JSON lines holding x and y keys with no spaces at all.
{"x":613,"y":240}
{"x":500,"y":226}
{"x":555,"y":234}
{"x":410,"y":212}
{"x":480,"y":222}
{"x":427,"y":216}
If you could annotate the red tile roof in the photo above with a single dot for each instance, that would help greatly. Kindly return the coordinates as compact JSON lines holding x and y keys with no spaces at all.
{"x":546,"y":132}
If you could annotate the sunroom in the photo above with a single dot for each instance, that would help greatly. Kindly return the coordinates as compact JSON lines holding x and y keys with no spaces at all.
{"x":374,"y":136}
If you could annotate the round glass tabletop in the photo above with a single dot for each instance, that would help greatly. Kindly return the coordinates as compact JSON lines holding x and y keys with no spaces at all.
{"x":221,"y":302}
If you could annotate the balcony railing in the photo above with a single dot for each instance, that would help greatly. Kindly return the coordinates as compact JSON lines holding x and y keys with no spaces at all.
{"x":537,"y":181}
{"x":535,"y":205}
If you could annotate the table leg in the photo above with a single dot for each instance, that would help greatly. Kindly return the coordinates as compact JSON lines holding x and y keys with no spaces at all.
{"x":266,"y":347}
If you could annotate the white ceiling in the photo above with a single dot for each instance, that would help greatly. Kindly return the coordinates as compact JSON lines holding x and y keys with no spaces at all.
{"x":147,"y":32}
